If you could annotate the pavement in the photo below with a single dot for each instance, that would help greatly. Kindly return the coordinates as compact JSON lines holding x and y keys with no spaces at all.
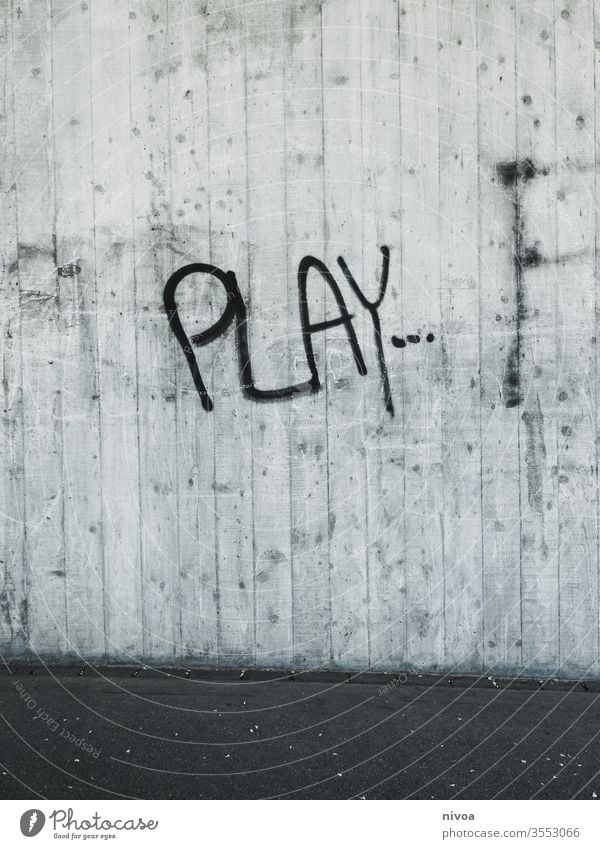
{"x":114,"y":732}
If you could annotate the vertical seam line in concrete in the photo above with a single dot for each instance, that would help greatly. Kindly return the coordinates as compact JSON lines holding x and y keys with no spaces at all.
{"x":137,"y":368}
{"x":97,"y":350}
{"x":291,"y":630}
{"x":325,"y":385}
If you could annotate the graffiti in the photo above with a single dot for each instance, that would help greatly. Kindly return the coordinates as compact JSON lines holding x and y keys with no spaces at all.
{"x":372,"y":307}
{"x":235,"y":314}
{"x":517,"y":177}
{"x":413,"y":339}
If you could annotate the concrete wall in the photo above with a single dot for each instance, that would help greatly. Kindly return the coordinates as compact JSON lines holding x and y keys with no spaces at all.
{"x":425,"y":493}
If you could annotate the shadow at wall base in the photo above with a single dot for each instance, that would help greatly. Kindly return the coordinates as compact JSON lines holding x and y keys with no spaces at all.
{"x":383,"y":680}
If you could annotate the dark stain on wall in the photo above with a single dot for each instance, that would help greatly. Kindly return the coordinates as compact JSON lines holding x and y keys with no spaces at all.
{"x":510,"y":389}
{"x":514,"y":175}
{"x":535,"y":454}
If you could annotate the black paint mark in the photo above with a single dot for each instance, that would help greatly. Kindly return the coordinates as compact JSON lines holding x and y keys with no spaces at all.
{"x":521,"y":305}
{"x":414,"y":339}
{"x":530,"y":257}
{"x":515,"y":174}
{"x":512,"y":396}
{"x":69,"y":269}
{"x":519,"y":169}
{"x":235,"y":312}
{"x":210,"y":334}
{"x":308,"y":328}
{"x":372,"y":307}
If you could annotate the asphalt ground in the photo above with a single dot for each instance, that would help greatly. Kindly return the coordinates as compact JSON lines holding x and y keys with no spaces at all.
{"x":92,"y":733}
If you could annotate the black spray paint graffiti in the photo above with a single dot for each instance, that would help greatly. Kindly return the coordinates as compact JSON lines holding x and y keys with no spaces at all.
{"x":235,"y":313}
{"x":516,"y":176}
